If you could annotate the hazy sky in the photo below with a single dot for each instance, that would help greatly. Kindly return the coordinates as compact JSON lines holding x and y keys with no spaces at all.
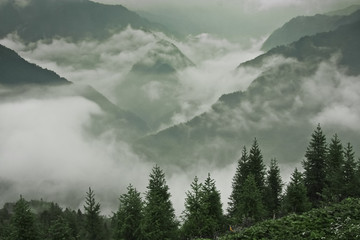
{"x":235,"y":19}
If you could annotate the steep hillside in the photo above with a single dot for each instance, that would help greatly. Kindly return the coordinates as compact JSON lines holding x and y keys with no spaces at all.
{"x":300,"y":85}
{"x":15,"y":70}
{"x":77,"y":19}
{"x":302,"y":26}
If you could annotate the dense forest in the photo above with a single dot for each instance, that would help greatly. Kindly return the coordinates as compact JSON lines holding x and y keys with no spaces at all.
{"x":322,"y":196}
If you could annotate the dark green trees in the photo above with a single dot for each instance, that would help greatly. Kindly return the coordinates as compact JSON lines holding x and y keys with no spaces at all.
{"x":296,"y":200}
{"x":193,"y":214}
{"x":23,"y":222}
{"x":350,"y":179}
{"x":129,"y":217}
{"x":315,"y":166}
{"x":93,"y":220}
{"x":60,"y":230}
{"x":334,"y":171}
{"x":159,"y":216}
{"x":273,"y":189}
{"x":256,"y":165}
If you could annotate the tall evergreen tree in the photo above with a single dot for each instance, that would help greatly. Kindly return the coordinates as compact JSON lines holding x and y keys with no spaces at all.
{"x":273,"y":189}
{"x":60,"y":230}
{"x":193,"y":214}
{"x":350,"y":178}
{"x":93,"y":220}
{"x":23,"y":222}
{"x":242,"y":171}
{"x":251,"y":205}
{"x":334,"y":168}
{"x":256,"y":165}
{"x":159,"y":215}
{"x":315,"y":166}
{"x":129,"y":216}
{"x":296,"y":199}
{"x":211,"y":209}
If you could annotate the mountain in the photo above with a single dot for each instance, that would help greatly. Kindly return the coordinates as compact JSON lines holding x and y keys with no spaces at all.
{"x":345,"y":11}
{"x":76,"y":19}
{"x":302,"y":26}
{"x":300,"y":85}
{"x":14,"y":70}
{"x":24,"y":80}
{"x":150,"y":88}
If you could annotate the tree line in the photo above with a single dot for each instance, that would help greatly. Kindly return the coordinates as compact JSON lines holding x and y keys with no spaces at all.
{"x":330,"y":174}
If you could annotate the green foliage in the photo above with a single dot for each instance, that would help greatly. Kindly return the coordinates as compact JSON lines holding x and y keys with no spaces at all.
{"x":93,"y":221}
{"x":23,"y":222}
{"x":338,"y":221}
{"x":273,"y":189}
{"x":251,"y":205}
{"x":159,"y":215}
{"x":350,"y":178}
{"x":193,"y":214}
{"x":296,"y":200}
{"x":315,"y":166}
{"x":242,"y":171}
{"x":256,"y":165}
{"x":60,"y":230}
{"x":129,"y":217}
{"x":211,"y":209}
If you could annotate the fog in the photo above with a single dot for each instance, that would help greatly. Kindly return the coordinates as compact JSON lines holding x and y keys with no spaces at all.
{"x":48,"y":149}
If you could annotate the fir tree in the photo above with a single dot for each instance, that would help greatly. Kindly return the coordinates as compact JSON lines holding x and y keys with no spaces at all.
{"x":242,"y":171}
{"x":211,"y":209}
{"x":159,"y":215}
{"x":23,"y":222}
{"x":315,"y":166}
{"x":251,"y":205}
{"x":193,"y":214}
{"x":350,"y":178}
{"x":93,"y":221}
{"x":256,"y":165}
{"x":296,"y":200}
{"x":129,"y":216}
{"x":334,"y":167}
{"x":60,"y":230}
{"x":273,"y":189}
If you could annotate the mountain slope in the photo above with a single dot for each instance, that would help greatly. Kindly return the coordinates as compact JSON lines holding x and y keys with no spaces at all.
{"x":306,"y":26}
{"x":301,"y":84}
{"x":76,"y":19}
{"x":15,"y":70}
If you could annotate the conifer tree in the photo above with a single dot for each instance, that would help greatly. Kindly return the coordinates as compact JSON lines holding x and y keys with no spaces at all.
{"x":23,"y":222}
{"x":242,"y":171}
{"x":93,"y":220}
{"x":296,"y":200}
{"x":251,"y":205}
{"x":273,"y":189}
{"x":193,"y":214}
{"x":129,"y":216}
{"x":211,"y":209}
{"x":159,"y":215}
{"x":350,"y":180}
{"x":315,"y":166}
{"x":334,"y":169}
{"x":256,"y":165}
{"x":60,"y":230}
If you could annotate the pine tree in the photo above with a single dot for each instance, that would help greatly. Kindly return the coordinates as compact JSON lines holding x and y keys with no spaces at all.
{"x":60,"y":230}
{"x":256,"y":165}
{"x":129,"y":216}
{"x":211,"y":209}
{"x":334,"y":168}
{"x":193,"y":214}
{"x":93,"y":221}
{"x":23,"y":222}
{"x":350,"y":179}
{"x":296,"y":200}
{"x":273,"y":189}
{"x":159,"y":215}
{"x":315,"y":166}
{"x":251,"y":205}
{"x":242,"y":171}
